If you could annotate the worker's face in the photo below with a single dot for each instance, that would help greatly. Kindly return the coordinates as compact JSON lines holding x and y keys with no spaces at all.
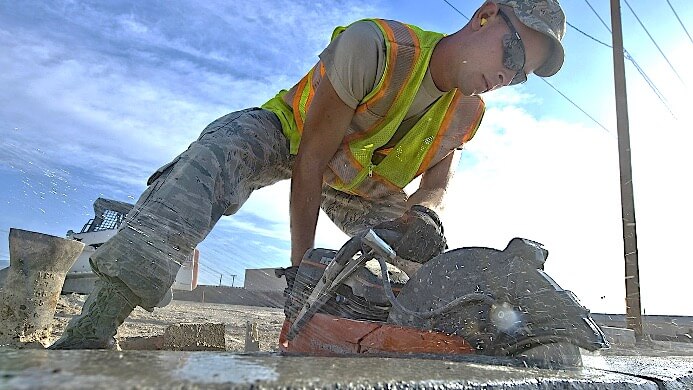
{"x":504,"y":51}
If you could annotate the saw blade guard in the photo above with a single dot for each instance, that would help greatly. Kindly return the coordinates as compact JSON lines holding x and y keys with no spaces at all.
{"x":526,"y":308}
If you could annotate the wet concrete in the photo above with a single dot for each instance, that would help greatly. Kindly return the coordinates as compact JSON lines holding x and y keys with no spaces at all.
{"x":28,"y":369}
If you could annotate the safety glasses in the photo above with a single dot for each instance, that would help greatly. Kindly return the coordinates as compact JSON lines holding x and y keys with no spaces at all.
{"x":513,"y":52}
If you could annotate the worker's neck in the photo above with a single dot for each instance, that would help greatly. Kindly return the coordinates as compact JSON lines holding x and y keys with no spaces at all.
{"x":444,"y":62}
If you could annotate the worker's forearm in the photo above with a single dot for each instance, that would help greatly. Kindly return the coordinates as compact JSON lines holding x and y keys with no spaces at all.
{"x":433,"y":199}
{"x":324,"y":129}
{"x":304,"y":207}
{"x":434,"y":184}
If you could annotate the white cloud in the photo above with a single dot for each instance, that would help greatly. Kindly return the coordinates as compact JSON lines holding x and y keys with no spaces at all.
{"x":126,"y":91}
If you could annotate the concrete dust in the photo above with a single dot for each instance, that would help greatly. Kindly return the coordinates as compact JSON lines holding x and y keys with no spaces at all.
{"x":142,"y":324}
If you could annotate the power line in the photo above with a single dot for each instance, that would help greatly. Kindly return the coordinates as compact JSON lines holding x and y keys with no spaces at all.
{"x":551,"y":85}
{"x":208,"y":268}
{"x":213,"y":270}
{"x":458,"y":11}
{"x":649,"y":82}
{"x":209,"y":271}
{"x":575,"y":104}
{"x":627,"y":55}
{"x":589,"y":36}
{"x":598,"y":16}
{"x":680,"y":22}
{"x":654,"y":42}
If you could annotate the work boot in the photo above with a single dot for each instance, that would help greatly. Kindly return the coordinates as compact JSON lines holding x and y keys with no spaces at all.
{"x":107,"y":307}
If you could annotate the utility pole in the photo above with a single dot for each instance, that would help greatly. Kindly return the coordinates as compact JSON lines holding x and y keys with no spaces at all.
{"x":220,"y":276}
{"x":233,"y":279}
{"x":630,"y":242}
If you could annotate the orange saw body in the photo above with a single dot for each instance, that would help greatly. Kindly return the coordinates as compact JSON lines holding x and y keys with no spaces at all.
{"x":465,"y":301}
{"x":327,"y":335}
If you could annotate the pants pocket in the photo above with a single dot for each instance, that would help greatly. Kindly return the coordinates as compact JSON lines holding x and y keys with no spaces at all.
{"x":161,"y":171}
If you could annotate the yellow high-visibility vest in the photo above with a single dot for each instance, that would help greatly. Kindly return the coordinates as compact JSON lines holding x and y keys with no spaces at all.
{"x":450,"y":122}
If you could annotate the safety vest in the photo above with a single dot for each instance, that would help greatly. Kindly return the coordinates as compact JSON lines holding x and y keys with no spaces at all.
{"x":450,"y":122}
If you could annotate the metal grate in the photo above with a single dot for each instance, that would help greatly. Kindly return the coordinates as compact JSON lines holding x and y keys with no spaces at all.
{"x":109,"y":220}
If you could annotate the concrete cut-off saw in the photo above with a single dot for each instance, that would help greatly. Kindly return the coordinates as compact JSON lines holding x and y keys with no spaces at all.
{"x":468,"y":301}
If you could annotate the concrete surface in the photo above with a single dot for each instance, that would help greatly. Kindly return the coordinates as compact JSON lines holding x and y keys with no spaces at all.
{"x":28,"y":369}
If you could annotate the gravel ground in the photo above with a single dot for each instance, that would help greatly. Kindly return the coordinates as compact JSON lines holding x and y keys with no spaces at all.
{"x":145,"y":324}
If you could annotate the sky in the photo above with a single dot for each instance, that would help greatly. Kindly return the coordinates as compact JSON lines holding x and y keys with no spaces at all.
{"x":94,"y":96}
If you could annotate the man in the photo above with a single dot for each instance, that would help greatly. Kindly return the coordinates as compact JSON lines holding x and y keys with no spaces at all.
{"x":387,"y":102}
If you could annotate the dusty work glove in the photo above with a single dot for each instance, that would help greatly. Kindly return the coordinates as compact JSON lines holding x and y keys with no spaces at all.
{"x":416,"y":236}
{"x":290,"y":310}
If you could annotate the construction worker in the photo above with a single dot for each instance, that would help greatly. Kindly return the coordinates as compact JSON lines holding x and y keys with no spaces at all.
{"x":386,"y":103}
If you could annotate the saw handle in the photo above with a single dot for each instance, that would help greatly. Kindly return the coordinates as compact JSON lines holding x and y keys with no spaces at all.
{"x":379,"y":245}
{"x":347,"y":251}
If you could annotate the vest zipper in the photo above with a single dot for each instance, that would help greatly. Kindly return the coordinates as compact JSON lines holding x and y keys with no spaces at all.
{"x":370,"y":170}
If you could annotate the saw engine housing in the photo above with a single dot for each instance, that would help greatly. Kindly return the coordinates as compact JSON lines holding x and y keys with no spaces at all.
{"x":361,"y":297}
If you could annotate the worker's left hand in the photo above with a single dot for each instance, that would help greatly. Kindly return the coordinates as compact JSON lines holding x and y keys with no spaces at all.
{"x":416,"y":236}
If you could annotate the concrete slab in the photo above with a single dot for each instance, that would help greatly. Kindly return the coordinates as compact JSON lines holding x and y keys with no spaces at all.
{"x":670,"y":373}
{"x":24,"y":369}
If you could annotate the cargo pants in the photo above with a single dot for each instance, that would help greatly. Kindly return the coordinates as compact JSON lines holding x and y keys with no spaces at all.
{"x":235,"y":155}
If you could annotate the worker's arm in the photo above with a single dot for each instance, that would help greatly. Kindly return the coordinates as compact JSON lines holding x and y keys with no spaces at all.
{"x":324,"y":129}
{"x":434,"y":184}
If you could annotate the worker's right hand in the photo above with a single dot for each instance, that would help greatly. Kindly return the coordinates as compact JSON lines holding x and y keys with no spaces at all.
{"x":416,"y":236}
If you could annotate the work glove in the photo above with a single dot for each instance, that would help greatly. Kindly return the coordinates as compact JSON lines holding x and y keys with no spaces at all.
{"x":289,"y":273}
{"x":415,"y":236}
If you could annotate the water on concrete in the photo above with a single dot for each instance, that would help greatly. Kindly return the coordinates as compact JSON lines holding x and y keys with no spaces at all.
{"x":29,"y":369}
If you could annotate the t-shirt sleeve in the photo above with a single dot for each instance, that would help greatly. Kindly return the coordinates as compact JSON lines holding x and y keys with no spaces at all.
{"x":354,"y":61}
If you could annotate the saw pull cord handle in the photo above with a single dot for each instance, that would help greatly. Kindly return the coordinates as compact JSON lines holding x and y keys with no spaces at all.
{"x":384,"y":251}
{"x":467,"y":299}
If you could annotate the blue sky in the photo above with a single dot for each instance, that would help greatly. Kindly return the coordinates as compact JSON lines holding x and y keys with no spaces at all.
{"x":96,"y":95}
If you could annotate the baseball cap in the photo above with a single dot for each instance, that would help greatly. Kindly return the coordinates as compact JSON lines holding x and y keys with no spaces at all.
{"x":546,"y":17}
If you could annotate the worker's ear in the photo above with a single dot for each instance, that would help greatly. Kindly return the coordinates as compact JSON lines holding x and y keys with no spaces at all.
{"x":484,"y":15}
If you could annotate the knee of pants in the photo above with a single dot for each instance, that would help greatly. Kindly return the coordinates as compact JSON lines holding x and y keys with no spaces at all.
{"x":132,"y":261}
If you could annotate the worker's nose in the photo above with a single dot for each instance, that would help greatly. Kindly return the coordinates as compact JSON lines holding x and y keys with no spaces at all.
{"x":503,"y":78}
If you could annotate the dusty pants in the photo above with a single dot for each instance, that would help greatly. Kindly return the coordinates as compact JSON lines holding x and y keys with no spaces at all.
{"x":235,"y":155}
